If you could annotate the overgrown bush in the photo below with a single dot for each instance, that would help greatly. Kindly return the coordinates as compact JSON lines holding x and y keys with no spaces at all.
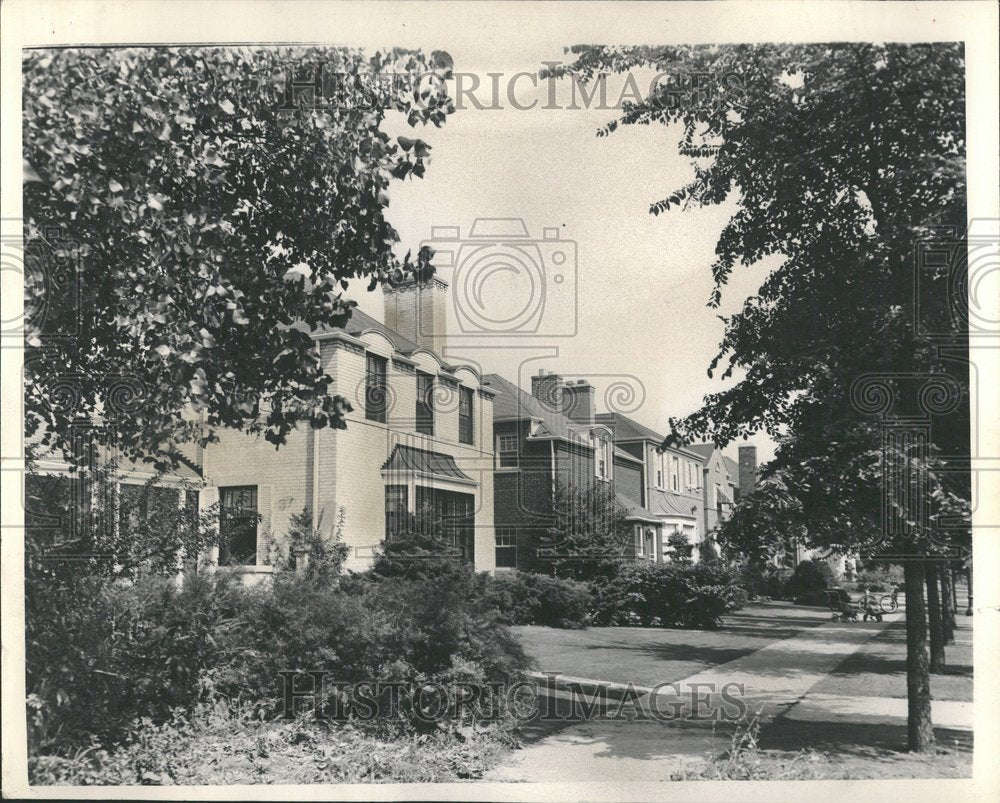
{"x":808,"y":582}
{"x":765,"y":581}
{"x":100,"y":656}
{"x":527,"y":598}
{"x":100,"y":653}
{"x":246,"y":750}
{"x":667,"y":594}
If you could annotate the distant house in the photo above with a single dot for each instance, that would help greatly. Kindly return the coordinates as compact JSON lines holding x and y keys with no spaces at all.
{"x":725,"y":480}
{"x":547,"y":440}
{"x":671,"y":479}
{"x":420,"y":436}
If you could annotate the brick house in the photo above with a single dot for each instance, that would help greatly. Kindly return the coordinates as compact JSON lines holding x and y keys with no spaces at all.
{"x":669,"y":485}
{"x":549,"y":440}
{"x":420,"y":435}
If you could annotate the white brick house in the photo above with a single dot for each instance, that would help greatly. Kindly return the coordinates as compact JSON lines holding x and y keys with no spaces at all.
{"x":401,"y":449}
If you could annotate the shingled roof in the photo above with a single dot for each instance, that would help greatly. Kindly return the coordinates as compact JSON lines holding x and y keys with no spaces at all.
{"x":514,"y":404}
{"x":703,"y":450}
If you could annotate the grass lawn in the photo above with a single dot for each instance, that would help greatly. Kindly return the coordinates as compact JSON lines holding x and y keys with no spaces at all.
{"x":651,"y":655}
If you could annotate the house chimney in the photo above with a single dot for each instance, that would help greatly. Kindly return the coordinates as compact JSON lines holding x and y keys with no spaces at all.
{"x":416,"y":310}
{"x":578,"y":401}
{"x":748,"y":470}
{"x":547,"y":388}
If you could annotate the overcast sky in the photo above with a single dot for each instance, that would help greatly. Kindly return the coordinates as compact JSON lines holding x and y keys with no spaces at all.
{"x":642,"y":282}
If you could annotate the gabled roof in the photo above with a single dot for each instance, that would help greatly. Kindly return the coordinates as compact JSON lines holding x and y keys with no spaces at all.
{"x":731,"y":466}
{"x":626,"y":429}
{"x":420,"y":461}
{"x":514,"y":404}
{"x":703,"y":450}
{"x":668,"y":503}
{"x":634,"y":511}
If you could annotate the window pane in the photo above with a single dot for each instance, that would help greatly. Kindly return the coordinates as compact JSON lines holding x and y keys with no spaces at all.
{"x":395,"y":508}
{"x":425,"y":403}
{"x":465,"y":415}
{"x":238,"y":525}
{"x":375,"y":389}
{"x":507,"y":448}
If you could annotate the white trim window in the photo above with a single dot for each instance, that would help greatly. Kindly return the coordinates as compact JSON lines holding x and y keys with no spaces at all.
{"x":603,"y":459}
{"x":507,"y":450}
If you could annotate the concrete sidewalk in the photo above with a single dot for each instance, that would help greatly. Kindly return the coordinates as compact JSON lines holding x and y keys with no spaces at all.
{"x":774,"y":678}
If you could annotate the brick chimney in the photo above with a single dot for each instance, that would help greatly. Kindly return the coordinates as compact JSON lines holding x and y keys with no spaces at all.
{"x":548,"y":389}
{"x":748,"y":470}
{"x":578,"y":401}
{"x":417,"y":311}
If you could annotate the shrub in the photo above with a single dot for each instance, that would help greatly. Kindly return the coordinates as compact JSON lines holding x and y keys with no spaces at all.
{"x":808,"y":582}
{"x":526,"y":598}
{"x":325,"y":555}
{"x":101,"y":655}
{"x":670,"y":595}
{"x":765,"y":581}
{"x":877,"y":579}
{"x":678,"y":548}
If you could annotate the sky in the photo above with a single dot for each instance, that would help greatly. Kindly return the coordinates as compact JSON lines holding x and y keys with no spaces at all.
{"x":629,"y":311}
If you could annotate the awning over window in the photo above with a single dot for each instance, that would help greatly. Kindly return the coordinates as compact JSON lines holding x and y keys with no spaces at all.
{"x":635,"y":511}
{"x":420,"y":461}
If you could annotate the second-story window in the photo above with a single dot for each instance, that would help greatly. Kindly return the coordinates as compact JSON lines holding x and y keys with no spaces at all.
{"x":425,"y":403}
{"x":465,"y":415}
{"x":375,"y":388}
{"x":507,"y":450}
{"x":675,"y":473}
{"x":603,"y":466}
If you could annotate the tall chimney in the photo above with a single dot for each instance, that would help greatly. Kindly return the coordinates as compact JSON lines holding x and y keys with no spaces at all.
{"x":416,"y":310}
{"x":578,"y":401}
{"x":547,"y":388}
{"x":748,"y":470}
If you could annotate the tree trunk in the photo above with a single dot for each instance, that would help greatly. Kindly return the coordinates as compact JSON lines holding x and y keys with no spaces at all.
{"x":920,"y":728}
{"x":934,"y":614}
{"x":947,"y":605}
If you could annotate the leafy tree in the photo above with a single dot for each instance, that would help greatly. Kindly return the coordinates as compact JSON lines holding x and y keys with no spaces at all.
{"x":841,"y":160}
{"x":190,"y":215}
{"x":588,"y":535}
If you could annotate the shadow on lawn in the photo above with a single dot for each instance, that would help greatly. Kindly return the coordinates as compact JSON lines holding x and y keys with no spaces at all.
{"x":850,"y":738}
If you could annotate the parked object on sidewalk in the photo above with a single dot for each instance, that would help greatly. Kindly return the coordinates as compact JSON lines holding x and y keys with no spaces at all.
{"x":841,"y":607}
{"x":871,"y":607}
{"x":890,"y":602}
